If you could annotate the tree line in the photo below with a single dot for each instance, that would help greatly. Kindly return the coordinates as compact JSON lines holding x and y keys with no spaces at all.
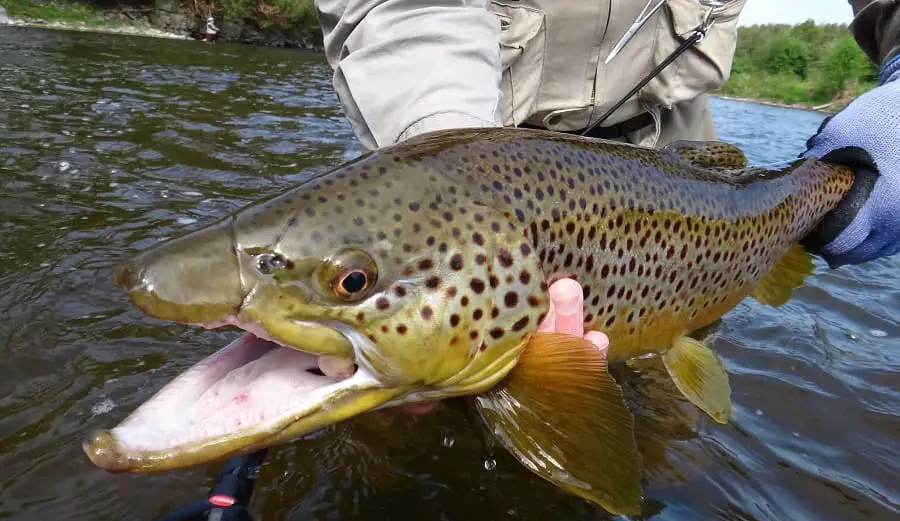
{"x":805,"y":63}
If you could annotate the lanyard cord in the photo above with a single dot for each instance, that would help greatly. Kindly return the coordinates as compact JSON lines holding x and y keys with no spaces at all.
{"x":698,"y":35}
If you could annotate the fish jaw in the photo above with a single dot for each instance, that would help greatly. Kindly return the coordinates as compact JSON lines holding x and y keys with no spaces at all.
{"x":248,"y":395}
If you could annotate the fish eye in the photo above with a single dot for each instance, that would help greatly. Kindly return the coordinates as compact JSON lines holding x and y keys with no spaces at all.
{"x":352,"y":283}
{"x":268,"y":263}
{"x":350,"y":275}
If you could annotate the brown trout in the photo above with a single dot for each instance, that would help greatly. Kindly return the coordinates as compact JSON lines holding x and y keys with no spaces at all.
{"x":427,"y":264}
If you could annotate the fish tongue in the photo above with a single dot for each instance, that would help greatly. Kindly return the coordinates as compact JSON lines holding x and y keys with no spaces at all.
{"x":336,"y":367}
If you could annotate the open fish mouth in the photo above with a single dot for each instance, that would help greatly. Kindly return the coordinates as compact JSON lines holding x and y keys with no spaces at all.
{"x":250,"y":394}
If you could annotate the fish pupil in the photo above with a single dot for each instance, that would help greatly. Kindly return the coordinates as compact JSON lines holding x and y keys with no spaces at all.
{"x":354,"y":282}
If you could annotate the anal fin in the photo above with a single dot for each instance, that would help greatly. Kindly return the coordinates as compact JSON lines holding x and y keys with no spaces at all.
{"x":700,"y":376}
{"x":788,"y":274}
{"x":562,"y":415}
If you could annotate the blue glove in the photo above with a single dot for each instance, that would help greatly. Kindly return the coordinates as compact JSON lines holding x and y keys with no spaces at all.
{"x":865,"y":136}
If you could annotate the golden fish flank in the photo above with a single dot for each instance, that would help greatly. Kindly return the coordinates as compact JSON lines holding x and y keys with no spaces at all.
{"x":428,"y":263}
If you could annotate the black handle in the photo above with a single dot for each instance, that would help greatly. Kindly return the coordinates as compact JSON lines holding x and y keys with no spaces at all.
{"x":228,"y":497}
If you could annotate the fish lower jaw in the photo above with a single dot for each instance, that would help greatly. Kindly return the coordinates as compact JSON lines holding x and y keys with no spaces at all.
{"x":239,"y":397}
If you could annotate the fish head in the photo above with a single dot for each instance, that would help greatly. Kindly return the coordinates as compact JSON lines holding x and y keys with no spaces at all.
{"x":412,"y":273}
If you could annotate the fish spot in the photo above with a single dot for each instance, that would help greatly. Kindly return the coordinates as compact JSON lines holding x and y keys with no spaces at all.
{"x":520,"y":324}
{"x":382,"y":303}
{"x":427,"y":312}
{"x":456,"y":262}
{"x":477,"y":314}
{"x":496,"y":332}
{"x":454,"y":320}
{"x":401,"y":329}
{"x":477,"y":286}
{"x":432,"y":282}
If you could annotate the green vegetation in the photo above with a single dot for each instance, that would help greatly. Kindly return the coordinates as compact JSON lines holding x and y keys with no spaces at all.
{"x":55,"y":10}
{"x":268,"y":13}
{"x":805,"y":64}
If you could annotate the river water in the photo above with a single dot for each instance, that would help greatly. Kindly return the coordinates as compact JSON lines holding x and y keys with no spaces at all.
{"x":109,"y":144}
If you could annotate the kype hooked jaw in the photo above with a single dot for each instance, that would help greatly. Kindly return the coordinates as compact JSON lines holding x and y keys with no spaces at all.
{"x":250,"y":394}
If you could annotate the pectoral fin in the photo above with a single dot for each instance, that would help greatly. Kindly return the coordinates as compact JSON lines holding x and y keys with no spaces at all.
{"x":788,"y":274}
{"x":700,"y":376}
{"x":563,"y":416}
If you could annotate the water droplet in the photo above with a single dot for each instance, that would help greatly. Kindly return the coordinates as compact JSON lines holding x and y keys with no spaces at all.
{"x":852,"y":336}
{"x":40,"y":245}
{"x":63,"y":166}
{"x":103,"y":407}
{"x":878,"y":333}
{"x":759,"y":412}
{"x":490,"y":464}
{"x":253,"y":472}
{"x":448,"y":442}
{"x":185,"y":220}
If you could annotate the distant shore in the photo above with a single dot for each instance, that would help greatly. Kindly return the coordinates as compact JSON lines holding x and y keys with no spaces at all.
{"x":91,"y":24}
{"x":173,"y":19}
{"x":827,"y":108}
{"x":93,"y":27}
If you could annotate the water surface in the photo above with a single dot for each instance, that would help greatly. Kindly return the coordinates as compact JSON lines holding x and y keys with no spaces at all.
{"x":109,"y":144}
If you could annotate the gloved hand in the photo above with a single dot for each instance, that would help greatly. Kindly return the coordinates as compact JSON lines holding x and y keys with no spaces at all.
{"x":864,"y":136}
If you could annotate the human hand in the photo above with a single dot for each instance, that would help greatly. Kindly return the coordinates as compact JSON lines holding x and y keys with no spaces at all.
{"x":866,"y":224}
{"x":566,"y":315}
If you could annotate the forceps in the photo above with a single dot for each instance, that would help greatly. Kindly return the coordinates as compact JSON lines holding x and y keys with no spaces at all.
{"x":629,"y":34}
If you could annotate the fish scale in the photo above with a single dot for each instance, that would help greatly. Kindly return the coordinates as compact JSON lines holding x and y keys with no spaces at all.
{"x":660,"y":247}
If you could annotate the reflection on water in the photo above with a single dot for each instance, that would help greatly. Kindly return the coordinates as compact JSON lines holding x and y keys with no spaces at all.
{"x":109,"y":144}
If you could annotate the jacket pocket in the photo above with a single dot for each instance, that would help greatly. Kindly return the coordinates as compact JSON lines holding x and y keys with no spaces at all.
{"x":522,"y":46}
{"x":705,"y":66}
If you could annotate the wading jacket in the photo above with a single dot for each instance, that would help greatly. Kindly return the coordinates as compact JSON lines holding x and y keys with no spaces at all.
{"x":404,"y":67}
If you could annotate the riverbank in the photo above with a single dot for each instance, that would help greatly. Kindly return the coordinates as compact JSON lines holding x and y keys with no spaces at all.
{"x":95,"y":26}
{"x":827,"y":108}
{"x":175,"y":19}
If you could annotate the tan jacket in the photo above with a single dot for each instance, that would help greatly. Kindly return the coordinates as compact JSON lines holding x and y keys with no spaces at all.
{"x":404,"y":67}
